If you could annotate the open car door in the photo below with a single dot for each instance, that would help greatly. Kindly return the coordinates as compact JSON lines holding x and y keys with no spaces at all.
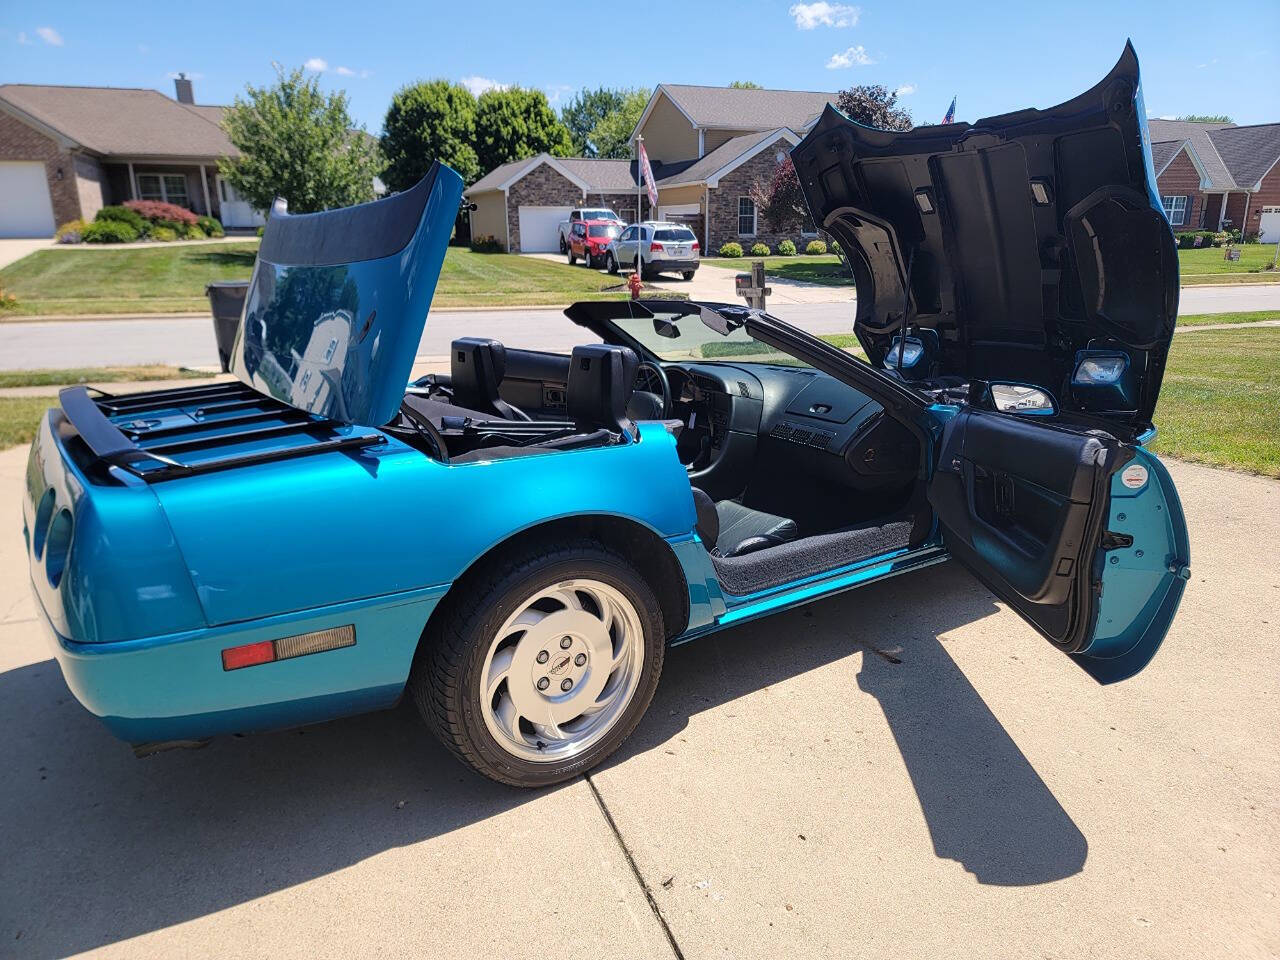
{"x":1082,"y":535}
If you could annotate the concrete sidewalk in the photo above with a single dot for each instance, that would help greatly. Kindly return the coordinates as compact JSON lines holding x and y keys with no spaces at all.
{"x":902,"y":771}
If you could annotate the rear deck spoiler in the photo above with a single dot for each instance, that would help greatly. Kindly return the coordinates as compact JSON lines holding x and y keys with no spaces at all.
{"x":152,"y":455}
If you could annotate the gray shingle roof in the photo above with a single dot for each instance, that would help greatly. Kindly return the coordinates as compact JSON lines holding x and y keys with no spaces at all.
{"x":496,"y":177}
{"x":117,"y":121}
{"x":724,"y":154}
{"x":1248,"y":152}
{"x":748,"y":109}
{"x":1163,"y":152}
{"x":602,"y":176}
{"x":1199,"y":135}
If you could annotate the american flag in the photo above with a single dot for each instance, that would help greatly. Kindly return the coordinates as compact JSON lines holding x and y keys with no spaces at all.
{"x":647,"y":172}
{"x":951,"y":112}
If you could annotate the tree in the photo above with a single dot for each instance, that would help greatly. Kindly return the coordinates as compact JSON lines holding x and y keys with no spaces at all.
{"x":780,"y":200}
{"x":587,"y":109}
{"x":435,"y":120}
{"x":516,"y":123}
{"x":298,"y":143}
{"x":1207,"y":118}
{"x":745,"y":85}
{"x":874,"y":106}
{"x":612,"y":135}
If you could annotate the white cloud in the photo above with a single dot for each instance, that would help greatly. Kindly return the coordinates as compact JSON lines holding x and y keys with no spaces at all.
{"x":809,"y":16}
{"x":906,"y":90}
{"x":554,"y":93}
{"x":318,"y":64}
{"x":854,"y":56}
{"x":344,"y":71}
{"x":49,"y":36}
{"x":478,"y":85}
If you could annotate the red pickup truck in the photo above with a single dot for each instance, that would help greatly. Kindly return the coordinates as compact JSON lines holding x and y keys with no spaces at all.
{"x":589,"y":239}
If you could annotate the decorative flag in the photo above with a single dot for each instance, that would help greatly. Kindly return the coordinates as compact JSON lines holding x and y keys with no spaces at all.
{"x":951,"y":112}
{"x":647,"y":172}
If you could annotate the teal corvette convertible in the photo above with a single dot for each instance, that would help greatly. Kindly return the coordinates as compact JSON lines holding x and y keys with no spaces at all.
{"x":514,"y":545}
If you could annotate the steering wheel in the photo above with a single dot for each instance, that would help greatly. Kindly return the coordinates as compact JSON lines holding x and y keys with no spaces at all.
{"x":649,"y":374}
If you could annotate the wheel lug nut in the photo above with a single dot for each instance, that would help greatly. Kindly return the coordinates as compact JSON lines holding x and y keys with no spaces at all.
{"x":566,"y":684}
{"x":543,"y":656}
{"x":580,"y":659}
{"x":543,"y":683}
{"x":566,"y":643}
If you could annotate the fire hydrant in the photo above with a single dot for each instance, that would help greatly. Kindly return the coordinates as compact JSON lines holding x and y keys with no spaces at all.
{"x":634,"y":285}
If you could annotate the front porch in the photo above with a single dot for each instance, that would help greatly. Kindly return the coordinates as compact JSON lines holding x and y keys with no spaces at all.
{"x":195,"y":186}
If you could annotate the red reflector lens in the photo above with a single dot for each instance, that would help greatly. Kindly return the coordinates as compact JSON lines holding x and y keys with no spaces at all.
{"x":655,"y":247}
{"x":251,"y":654}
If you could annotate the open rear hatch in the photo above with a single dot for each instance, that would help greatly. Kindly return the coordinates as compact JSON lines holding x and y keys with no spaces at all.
{"x":1021,"y":239}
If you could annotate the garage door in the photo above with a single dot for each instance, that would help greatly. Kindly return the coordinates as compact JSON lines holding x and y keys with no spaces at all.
{"x":1269,"y":228}
{"x":25,"y":210}
{"x":539,"y":228}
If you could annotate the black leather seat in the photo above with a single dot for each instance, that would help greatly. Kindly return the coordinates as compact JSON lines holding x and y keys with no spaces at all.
{"x":731,"y":530}
{"x":601,"y":379}
{"x":476,"y":369}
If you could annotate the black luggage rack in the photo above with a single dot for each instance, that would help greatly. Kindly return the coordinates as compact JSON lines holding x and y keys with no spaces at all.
{"x":239,"y":415}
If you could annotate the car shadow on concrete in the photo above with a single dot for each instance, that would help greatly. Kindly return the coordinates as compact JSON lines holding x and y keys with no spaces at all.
{"x":985,"y":805}
{"x":98,"y":847}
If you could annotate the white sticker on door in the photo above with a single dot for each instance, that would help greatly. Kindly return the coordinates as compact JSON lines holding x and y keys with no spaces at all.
{"x":1134,"y":476}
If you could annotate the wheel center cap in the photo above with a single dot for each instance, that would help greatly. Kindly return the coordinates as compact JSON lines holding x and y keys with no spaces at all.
{"x":560,"y":665}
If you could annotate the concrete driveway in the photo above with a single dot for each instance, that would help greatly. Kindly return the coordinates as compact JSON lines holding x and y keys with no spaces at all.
{"x":12,"y":250}
{"x":902,"y":771}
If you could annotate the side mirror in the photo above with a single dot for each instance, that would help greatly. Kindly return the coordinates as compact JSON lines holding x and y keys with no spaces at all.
{"x":665,"y":328}
{"x":1021,"y":398}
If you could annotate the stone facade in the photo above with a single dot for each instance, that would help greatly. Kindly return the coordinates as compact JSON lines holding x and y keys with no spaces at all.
{"x":543,"y":187}
{"x":723,"y":202}
{"x":19,"y":141}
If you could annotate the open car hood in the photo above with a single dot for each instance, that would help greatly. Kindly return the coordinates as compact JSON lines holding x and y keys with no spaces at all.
{"x":338,"y":301}
{"x":1021,"y":239}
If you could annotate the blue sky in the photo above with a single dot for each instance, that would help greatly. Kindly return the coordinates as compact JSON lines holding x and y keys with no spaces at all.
{"x":992,"y":59}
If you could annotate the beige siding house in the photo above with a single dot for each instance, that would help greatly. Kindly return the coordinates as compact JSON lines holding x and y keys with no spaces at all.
{"x":707,"y":145}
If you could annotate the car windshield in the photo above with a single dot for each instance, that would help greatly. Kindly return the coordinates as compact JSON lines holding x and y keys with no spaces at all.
{"x":687,"y":338}
{"x":675,"y":235}
{"x":599,"y":215}
{"x":601,"y":230}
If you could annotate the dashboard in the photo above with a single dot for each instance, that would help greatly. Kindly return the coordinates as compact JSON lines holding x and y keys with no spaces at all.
{"x":799,"y":419}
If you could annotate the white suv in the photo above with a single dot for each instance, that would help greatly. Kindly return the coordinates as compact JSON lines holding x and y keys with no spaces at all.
{"x":654,"y":247}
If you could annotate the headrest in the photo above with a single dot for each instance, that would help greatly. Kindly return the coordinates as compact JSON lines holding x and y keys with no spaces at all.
{"x":478,"y":360}
{"x":601,"y":378}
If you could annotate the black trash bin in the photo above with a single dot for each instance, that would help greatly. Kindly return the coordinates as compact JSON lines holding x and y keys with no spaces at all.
{"x":226,"y":299}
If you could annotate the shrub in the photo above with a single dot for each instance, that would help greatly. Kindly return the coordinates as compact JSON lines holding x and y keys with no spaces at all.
{"x":194,"y":233}
{"x":731,"y":250}
{"x":815,"y":248}
{"x":7,"y":300}
{"x":260,"y":230}
{"x":760,"y":250}
{"x":155,"y":211}
{"x":210,"y":226}
{"x":109,"y":231}
{"x":71,"y":232}
{"x":163,"y":234}
{"x":488,"y":244}
{"x":786,"y":249}
{"x":123,"y":215}
{"x":835,"y":248}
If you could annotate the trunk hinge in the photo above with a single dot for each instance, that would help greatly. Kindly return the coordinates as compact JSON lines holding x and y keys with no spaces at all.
{"x":1116,"y":541}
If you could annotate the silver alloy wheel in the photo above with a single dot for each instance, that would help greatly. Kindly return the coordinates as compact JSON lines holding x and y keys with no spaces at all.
{"x":561,"y":670}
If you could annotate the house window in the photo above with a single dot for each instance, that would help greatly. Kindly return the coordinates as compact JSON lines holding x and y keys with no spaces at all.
{"x":168,"y":187}
{"x":746,"y":217}
{"x":1175,"y":208}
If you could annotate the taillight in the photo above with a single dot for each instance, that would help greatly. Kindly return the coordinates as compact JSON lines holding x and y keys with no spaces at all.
{"x":655,"y":247}
{"x":695,"y":244}
{"x":286,"y":648}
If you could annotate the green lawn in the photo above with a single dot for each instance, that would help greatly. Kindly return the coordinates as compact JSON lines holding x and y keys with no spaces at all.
{"x":19,"y":417}
{"x":172,"y":280}
{"x":1204,"y":319}
{"x":826,"y":270}
{"x":1207,"y":265}
{"x":60,"y":378}
{"x":1220,"y":400}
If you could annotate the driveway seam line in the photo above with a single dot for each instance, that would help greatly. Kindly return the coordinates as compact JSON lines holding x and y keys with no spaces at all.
{"x":635,"y":871}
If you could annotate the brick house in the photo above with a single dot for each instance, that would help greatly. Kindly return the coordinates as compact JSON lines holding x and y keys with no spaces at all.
{"x":707,"y":146}
{"x":1215,"y":176}
{"x":66,"y":152}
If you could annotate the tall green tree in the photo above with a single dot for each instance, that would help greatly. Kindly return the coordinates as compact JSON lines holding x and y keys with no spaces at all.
{"x":300,"y":143}
{"x":432,"y":120}
{"x":745,"y":85}
{"x":874,"y":106}
{"x":612,"y":135}
{"x":516,"y":123}
{"x":587,"y":109}
{"x":1207,"y":118}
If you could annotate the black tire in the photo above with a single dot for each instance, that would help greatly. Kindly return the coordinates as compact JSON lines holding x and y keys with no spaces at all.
{"x":572,"y":257}
{"x":611,"y":263}
{"x":564,"y":247}
{"x":687,"y":274}
{"x":588,"y":260}
{"x":445,"y":680}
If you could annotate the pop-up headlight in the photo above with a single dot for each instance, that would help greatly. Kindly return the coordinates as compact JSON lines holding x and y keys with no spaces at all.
{"x":1103,"y":380}
{"x":911,"y":352}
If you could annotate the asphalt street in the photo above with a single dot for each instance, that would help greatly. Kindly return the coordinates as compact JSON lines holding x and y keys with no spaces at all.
{"x":902,"y":771}
{"x":188,"y":341}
